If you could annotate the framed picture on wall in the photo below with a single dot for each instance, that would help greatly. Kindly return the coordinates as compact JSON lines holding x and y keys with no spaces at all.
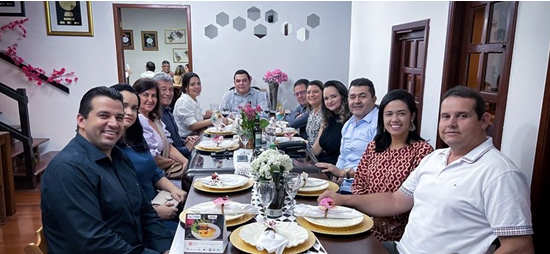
{"x":12,"y":8}
{"x":180,"y":55}
{"x":127,"y":39}
{"x":149,"y":41}
{"x":72,"y":18}
{"x":175,"y":36}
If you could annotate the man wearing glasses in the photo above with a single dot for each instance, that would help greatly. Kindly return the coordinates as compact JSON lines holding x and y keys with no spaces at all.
{"x":298,"y":118}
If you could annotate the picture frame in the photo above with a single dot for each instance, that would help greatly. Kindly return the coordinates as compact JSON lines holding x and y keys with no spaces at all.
{"x":149,"y":41}
{"x":62,"y":18}
{"x":12,"y":8}
{"x":175,"y":36}
{"x":128,"y":39}
{"x":180,"y":55}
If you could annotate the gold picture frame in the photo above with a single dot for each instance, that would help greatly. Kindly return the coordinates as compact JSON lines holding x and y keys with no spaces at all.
{"x":65,"y":19}
{"x":180,"y":55}
{"x":149,"y":41}
{"x":175,"y":36}
{"x":127,"y":39}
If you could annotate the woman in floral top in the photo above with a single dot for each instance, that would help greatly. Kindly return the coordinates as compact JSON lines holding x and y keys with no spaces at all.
{"x":314,"y":99}
{"x":389,"y":159}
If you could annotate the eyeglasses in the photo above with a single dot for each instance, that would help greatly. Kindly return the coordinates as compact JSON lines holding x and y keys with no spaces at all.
{"x":299,"y":93}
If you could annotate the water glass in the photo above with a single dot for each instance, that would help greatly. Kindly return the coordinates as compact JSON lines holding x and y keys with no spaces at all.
{"x":266,"y":192}
{"x":214,"y":107}
{"x":293,"y":182}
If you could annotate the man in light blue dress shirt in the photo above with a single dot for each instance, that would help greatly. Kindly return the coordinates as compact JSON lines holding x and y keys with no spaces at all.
{"x":242,"y":94}
{"x":357,"y":132}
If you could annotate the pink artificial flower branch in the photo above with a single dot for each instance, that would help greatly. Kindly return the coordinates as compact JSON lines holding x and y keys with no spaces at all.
{"x":275,"y":76}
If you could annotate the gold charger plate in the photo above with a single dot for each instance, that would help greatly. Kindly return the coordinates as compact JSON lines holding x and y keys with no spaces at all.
{"x":248,"y":248}
{"x":228,"y":223}
{"x":331,"y":186}
{"x":224,"y":133}
{"x":217,"y":149}
{"x":364,"y":226}
{"x":199,"y":186}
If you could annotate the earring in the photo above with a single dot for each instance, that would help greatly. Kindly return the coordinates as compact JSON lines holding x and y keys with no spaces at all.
{"x":412,"y":127}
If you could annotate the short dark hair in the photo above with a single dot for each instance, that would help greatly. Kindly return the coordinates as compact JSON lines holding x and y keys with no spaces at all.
{"x":86,"y":101}
{"x":143,"y":84}
{"x":241,"y":71}
{"x":165,"y":62}
{"x":364,"y":82}
{"x":301,"y":81}
{"x":150,"y":66}
{"x":133,"y":135}
{"x":329,"y":115}
{"x":186,"y":79}
{"x":382,"y":139}
{"x":466,"y":92}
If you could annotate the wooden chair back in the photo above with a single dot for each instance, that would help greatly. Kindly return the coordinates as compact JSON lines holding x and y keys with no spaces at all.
{"x":40,"y":247}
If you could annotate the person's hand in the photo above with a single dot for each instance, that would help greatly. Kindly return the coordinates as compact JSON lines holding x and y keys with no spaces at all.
{"x":207,"y":114}
{"x":327,"y":167}
{"x":179,"y":195}
{"x":337,"y":198}
{"x":191,"y":142}
{"x":385,"y":225}
{"x":338,"y":180}
{"x":166,"y":211}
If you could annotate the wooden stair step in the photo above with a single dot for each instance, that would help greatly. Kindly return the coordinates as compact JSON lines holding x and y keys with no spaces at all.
{"x":17,"y":149}
{"x":44,"y":161}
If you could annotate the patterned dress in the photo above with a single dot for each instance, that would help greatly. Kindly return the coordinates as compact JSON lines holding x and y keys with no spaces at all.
{"x":313,"y":126}
{"x":385,"y":172}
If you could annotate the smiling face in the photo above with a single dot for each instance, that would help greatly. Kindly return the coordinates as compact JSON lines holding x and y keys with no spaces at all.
{"x":104,"y":125}
{"x":148,"y":101}
{"x":242,"y":84}
{"x":397,"y":119}
{"x":333,"y":100}
{"x":459,"y":126}
{"x":166,"y":92}
{"x":300,"y":94}
{"x":314,"y":94}
{"x":195,"y":87}
{"x":361,"y":101}
{"x":131,"y":107}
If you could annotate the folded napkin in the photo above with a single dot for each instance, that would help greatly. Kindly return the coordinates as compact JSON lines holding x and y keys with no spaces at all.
{"x":227,"y":128}
{"x":285,"y":139}
{"x":210,"y":144}
{"x":225,"y":180}
{"x":284,"y":130}
{"x":228,"y":208}
{"x":313,"y":182}
{"x":339,"y":212}
{"x":271,"y":242}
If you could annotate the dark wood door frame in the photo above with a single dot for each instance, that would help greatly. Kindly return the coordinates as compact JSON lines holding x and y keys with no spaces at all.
{"x":541,"y":174}
{"x":117,"y":17}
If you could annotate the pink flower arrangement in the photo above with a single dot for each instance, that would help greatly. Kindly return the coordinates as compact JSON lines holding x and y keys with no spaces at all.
{"x":248,"y":115}
{"x":217,"y":139}
{"x":326,"y":204}
{"x":275,"y":76}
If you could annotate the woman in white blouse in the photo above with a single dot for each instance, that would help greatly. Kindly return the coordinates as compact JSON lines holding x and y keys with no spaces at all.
{"x":187,"y":110}
{"x":154,"y":130}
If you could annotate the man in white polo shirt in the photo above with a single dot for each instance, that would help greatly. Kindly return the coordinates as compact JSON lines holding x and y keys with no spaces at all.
{"x":461,"y":198}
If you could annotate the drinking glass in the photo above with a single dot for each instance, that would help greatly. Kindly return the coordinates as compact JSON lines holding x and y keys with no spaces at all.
{"x":225,"y":110}
{"x":243,"y":136}
{"x":217,"y":120}
{"x":266,"y":193}
{"x":214,"y":107}
{"x":293,"y":182}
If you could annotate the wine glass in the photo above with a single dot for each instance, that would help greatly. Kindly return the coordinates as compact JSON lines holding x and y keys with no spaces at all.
{"x":293,"y":182}
{"x":225,"y":110}
{"x":217,"y":120}
{"x":266,"y":192}
{"x":243,"y":136}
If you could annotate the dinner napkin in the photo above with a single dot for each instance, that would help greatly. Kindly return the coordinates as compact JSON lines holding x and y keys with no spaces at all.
{"x":226,"y":128}
{"x":271,"y":242}
{"x":339,"y":212}
{"x":212,"y":145}
{"x":314,"y":182}
{"x":228,"y":208}
{"x":225,"y":180}
{"x":285,"y":139}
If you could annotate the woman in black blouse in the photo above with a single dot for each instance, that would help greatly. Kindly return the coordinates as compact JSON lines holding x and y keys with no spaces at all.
{"x":335,"y":110}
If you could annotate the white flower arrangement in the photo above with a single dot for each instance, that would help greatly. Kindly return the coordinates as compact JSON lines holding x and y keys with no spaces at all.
{"x":269,"y":161}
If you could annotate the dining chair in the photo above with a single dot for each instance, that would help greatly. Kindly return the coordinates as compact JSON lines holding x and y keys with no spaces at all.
{"x":40,"y":247}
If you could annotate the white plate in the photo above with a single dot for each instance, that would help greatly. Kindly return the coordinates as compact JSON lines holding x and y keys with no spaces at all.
{"x":334,"y":223}
{"x":210,"y":144}
{"x":314,"y":188}
{"x":210,"y":204}
{"x":281,"y":140}
{"x":229,"y":181}
{"x":294,"y":233}
{"x":217,"y":233}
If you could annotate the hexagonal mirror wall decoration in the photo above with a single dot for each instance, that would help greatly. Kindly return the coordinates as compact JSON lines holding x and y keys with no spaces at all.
{"x":286,"y":28}
{"x":302,"y":34}
{"x":260,"y":31}
{"x":211,"y":31}
{"x":222,"y":19}
{"x":271,"y":16}
{"x":313,"y":20}
{"x":239,"y":24}
{"x":253,"y":13}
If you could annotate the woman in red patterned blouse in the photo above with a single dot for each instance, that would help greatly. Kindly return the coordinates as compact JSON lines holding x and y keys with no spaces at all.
{"x":394,"y":153}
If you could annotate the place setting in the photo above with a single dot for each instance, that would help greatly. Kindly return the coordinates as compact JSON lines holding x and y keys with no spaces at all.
{"x":217,"y":144}
{"x":223,"y":183}
{"x":235,"y":213}
{"x":312,"y":187}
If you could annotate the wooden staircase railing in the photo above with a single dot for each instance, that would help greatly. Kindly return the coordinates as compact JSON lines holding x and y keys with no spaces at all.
{"x":23,"y":135}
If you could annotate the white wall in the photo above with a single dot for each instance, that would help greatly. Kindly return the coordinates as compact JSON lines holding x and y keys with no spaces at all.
{"x":152,"y":20}
{"x":370,"y":52}
{"x":324,"y":56}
